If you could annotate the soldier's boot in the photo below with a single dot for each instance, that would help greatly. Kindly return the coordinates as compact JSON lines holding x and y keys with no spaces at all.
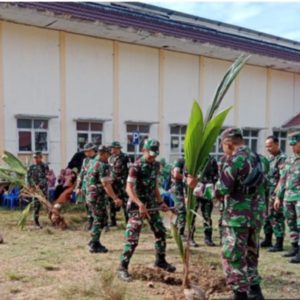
{"x":296,"y":258}
{"x":37,"y":222}
{"x":255,"y":293}
{"x":208,"y":239}
{"x":182,"y":235}
{"x":293,"y":250}
{"x":267,"y":242}
{"x":240,"y":296}
{"x":90,"y":223}
{"x":193,"y":242}
{"x":96,"y":247}
{"x":123,"y":272}
{"x":161,"y":263}
{"x":278,"y":247}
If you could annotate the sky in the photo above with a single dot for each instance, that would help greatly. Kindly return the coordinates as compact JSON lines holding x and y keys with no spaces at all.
{"x":277,"y":18}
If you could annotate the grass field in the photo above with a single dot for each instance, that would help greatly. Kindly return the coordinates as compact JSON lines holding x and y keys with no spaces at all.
{"x":54,"y":264}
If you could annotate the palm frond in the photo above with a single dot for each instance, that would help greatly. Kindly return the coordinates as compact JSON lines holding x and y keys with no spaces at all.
{"x":24,"y":216}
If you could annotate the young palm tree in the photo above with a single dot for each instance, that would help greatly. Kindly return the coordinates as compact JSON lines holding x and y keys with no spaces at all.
{"x":201,"y":135}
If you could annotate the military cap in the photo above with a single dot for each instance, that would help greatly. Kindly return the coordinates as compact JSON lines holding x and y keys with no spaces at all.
{"x":152,"y":146}
{"x":103,"y":148}
{"x":89,"y":146}
{"x":37,"y":153}
{"x":231,"y":132}
{"x":294,"y":138}
{"x":115,"y":144}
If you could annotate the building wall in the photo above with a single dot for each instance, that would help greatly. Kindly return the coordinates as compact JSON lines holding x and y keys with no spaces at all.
{"x":70,"y":77}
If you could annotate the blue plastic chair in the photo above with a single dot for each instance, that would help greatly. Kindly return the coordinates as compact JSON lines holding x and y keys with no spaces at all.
{"x":11,"y":199}
{"x":167,"y":197}
{"x":73,"y":198}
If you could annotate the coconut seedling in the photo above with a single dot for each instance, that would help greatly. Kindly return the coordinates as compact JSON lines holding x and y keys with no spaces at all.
{"x":202,"y":133}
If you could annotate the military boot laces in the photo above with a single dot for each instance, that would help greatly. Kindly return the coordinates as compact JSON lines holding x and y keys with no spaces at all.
{"x":123,"y":274}
{"x":293,"y":250}
{"x":278,"y":247}
{"x":267,"y":242}
{"x":296,"y":259}
{"x":208,"y":240}
{"x":255,"y":293}
{"x":240,"y":296}
{"x":161,"y":263}
{"x":96,"y":247}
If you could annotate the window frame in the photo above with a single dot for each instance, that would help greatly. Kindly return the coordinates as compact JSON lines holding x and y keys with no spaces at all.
{"x":32,"y":131}
{"x":89,"y":132}
{"x":280,"y":138}
{"x":251,"y":137}
{"x":181,"y":136}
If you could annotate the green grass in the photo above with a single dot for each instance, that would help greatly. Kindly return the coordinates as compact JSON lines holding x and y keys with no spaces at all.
{"x":57,"y":263}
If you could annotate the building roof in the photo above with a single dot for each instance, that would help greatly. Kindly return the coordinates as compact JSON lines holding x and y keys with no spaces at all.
{"x":293,"y":122}
{"x":149,"y":25}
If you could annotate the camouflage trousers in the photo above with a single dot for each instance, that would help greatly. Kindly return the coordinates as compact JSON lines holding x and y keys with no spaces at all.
{"x":292,"y":215}
{"x":240,"y":253}
{"x":99,"y":215}
{"x":206,"y":207}
{"x":119,"y":189}
{"x":87,"y":208}
{"x":181,"y":212}
{"x":276,"y":219}
{"x":221,"y":210}
{"x":37,"y":205}
{"x":132,"y":234}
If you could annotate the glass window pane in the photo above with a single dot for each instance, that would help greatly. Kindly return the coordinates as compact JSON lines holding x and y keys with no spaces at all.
{"x":24,"y":123}
{"x":142,"y":139}
{"x":82,"y":138}
{"x":96,"y":126}
{"x":174,"y":144}
{"x":84,"y":126}
{"x":247,"y":141}
{"x":25,"y":141}
{"x":283,"y":134}
{"x":254,"y":133}
{"x":144,"y":128}
{"x":175,"y":129}
{"x":283,"y":145}
{"x":246,"y":132}
{"x":254,"y":145}
{"x":276,"y":133}
{"x":40,"y":124}
{"x":130,"y":148}
{"x":131,"y":127}
{"x":97,"y":138}
{"x":41,"y":141}
{"x":183,"y":129}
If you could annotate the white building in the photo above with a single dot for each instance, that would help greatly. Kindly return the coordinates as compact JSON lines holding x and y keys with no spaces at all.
{"x":72,"y":72}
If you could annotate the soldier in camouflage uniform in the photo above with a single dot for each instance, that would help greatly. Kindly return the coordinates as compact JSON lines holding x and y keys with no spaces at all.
{"x":178,"y":188}
{"x":37,"y":177}
{"x":274,"y":218}
{"x":90,"y":152}
{"x":165,"y":174}
{"x":205,"y":201}
{"x":289,"y":193}
{"x":145,"y":201}
{"x":241,"y":183}
{"x":119,"y":163}
{"x":98,"y":189}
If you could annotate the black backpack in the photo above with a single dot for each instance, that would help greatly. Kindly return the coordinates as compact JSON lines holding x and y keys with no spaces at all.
{"x":255,"y":176}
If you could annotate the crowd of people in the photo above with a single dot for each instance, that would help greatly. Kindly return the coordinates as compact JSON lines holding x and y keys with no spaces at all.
{"x":253,"y":192}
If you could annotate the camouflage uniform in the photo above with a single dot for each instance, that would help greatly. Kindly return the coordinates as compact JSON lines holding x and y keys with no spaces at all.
{"x":178,"y":188}
{"x":81,"y":184}
{"x":243,"y":215}
{"x":210,"y":177}
{"x":145,"y":177}
{"x":96,"y":198}
{"x":165,"y":174}
{"x":119,"y":170}
{"x":276,"y":218}
{"x":37,"y":176}
{"x":289,"y":192}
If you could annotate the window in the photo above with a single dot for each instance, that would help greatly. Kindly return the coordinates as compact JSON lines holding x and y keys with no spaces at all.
{"x":251,"y":138}
{"x":144,"y":130}
{"x":177,"y":134}
{"x":89,"y":132}
{"x":217,"y":150}
{"x":282,"y":137}
{"x":32,"y":135}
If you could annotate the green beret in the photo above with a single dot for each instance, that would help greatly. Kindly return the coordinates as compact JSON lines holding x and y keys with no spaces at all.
{"x":152,"y":146}
{"x":115,"y":144}
{"x":294,"y":138}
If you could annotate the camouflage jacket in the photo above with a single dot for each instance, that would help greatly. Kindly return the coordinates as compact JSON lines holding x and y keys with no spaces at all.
{"x":242,"y":207}
{"x":289,"y":183}
{"x":145,"y":177}
{"x":81,"y":181}
{"x":119,"y":166}
{"x":179,"y":186}
{"x":276,"y":165}
{"x":97,"y":173}
{"x":37,"y":175}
